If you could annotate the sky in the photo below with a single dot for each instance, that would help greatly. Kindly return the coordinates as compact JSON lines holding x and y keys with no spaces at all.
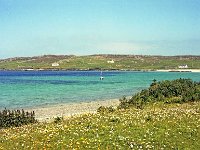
{"x":84,"y":27}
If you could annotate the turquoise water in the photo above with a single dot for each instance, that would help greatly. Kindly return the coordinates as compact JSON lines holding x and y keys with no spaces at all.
{"x":22,"y":89}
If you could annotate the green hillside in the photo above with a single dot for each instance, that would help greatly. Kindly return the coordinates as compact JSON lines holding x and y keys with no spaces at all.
{"x":92,"y":62}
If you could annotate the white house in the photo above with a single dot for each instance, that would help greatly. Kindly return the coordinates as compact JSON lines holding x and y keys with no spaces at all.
{"x":110,"y":62}
{"x":183,"y":66}
{"x":55,"y":64}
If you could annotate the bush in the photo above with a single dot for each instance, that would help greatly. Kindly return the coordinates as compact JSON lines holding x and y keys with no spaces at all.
{"x":58,"y":119}
{"x":103,"y":109}
{"x":174,"y":100}
{"x":16,"y":118}
{"x":175,"y":91}
{"x":123,"y":103}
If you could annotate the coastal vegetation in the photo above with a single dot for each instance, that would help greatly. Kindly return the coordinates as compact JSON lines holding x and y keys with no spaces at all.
{"x":97,"y":62}
{"x":158,"y":126}
{"x":16,"y":118}
{"x":168,"y":117}
{"x":176,"y":91}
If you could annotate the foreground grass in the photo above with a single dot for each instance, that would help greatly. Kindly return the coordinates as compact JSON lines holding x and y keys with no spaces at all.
{"x":157,"y":126}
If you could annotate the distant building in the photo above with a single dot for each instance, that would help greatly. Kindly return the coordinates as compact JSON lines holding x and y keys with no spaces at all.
{"x":183,"y":66}
{"x":55,"y":64}
{"x":111,"y":62}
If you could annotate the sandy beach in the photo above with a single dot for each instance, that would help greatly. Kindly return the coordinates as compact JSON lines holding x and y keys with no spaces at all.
{"x":48,"y":113}
{"x":179,"y":70}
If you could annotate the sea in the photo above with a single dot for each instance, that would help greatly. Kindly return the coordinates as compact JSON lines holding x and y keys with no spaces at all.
{"x":29,"y":89}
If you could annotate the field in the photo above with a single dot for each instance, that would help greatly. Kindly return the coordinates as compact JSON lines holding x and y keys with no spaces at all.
{"x":157,"y":126}
{"x":97,"y":62}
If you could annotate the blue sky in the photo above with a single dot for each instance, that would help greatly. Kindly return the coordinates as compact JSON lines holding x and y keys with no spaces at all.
{"x":82,"y":27}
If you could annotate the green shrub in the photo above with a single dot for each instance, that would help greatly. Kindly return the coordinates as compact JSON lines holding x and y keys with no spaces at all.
{"x":58,"y":119}
{"x":175,"y":91}
{"x":174,"y":100}
{"x":16,"y":118}
{"x":123,"y":103}
{"x":103,"y":109}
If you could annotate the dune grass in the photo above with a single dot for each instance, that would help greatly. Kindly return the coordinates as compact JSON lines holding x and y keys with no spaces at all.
{"x":157,"y":126}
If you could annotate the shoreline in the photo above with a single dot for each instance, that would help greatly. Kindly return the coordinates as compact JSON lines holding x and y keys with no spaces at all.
{"x":134,"y":70}
{"x":48,"y":113}
{"x":178,"y":70}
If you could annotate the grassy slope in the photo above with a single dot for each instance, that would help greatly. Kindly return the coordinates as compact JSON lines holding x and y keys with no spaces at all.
{"x":100,"y":62}
{"x":158,"y":126}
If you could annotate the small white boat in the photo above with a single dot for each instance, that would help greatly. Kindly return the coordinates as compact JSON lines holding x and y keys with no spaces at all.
{"x":101,"y":77}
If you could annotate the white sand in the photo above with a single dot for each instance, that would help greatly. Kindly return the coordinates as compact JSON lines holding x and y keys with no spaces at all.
{"x":48,"y":113}
{"x":180,"y":70}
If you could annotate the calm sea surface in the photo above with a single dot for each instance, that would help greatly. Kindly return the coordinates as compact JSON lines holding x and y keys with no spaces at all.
{"x":22,"y":89}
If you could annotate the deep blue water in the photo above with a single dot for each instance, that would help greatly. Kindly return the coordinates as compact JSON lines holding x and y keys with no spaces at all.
{"x":21,"y":89}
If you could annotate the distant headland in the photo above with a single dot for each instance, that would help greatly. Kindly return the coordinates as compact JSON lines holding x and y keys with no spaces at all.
{"x":184,"y":63}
